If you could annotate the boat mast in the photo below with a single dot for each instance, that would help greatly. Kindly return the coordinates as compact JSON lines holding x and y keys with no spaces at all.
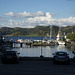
{"x":59,"y":33}
{"x":50,"y":31}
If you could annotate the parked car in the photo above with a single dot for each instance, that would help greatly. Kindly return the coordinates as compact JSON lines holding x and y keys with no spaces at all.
{"x":60,"y":56}
{"x":73,"y":56}
{"x":10,"y":56}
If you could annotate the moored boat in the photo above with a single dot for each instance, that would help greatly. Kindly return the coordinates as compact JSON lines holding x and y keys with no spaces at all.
{"x":59,"y":41}
{"x":20,"y":41}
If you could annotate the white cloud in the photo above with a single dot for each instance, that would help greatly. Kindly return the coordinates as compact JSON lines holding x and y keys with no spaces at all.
{"x":65,"y":21}
{"x":33,"y":19}
{"x":9,"y":14}
{"x":24,"y":14}
{"x":42,"y":20}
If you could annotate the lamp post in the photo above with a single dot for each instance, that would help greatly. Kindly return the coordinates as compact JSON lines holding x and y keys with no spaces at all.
{"x":50,"y":32}
{"x":41,"y":45}
{"x":1,"y":42}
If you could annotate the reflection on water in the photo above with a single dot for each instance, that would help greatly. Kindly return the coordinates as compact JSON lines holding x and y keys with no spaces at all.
{"x":70,"y":47}
{"x":46,"y":51}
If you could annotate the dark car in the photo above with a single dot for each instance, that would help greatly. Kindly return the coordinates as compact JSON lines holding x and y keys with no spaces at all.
{"x":61,"y":57}
{"x":10,"y":56}
{"x":73,"y":56}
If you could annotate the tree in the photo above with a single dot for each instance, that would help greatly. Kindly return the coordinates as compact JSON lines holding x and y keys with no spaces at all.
{"x":71,"y":36}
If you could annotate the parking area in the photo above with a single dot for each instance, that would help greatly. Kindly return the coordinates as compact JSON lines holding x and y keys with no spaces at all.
{"x":26,"y":67}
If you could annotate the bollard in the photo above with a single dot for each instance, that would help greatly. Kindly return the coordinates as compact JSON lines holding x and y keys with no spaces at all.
{"x":11,"y":44}
{"x":21,"y":45}
{"x":30,"y":44}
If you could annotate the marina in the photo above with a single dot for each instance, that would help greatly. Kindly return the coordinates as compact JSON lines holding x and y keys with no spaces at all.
{"x":37,"y":51}
{"x":30,"y":50}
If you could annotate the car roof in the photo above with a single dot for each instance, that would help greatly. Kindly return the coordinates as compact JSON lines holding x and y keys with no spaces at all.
{"x":11,"y":50}
{"x":60,"y":52}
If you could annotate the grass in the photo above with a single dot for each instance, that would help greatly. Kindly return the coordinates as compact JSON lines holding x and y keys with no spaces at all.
{"x":73,"y":43}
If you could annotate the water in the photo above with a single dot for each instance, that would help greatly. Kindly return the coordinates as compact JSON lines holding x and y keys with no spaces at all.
{"x":24,"y":38}
{"x":46,"y":51}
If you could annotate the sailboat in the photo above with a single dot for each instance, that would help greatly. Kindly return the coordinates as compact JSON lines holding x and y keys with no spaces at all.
{"x":50,"y":40}
{"x":59,"y":41}
{"x":58,"y":36}
{"x":46,"y":39}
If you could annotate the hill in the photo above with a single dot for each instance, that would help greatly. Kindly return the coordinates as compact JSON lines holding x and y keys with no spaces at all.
{"x":36,"y":31}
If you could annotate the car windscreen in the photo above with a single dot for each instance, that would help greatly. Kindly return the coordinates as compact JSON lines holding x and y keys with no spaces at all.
{"x":61,"y":53}
{"x":9,"y":53}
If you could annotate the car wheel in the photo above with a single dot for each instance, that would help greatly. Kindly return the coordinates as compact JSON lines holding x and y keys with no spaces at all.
{"x":3,"y":62}
{"x":54,"y":62}
{"x":68,"y":63}
{"x":17,"y":61}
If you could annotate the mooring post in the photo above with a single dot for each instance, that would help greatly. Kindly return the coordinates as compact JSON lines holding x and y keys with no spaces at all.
{"x":30,"y":44}
{"x":11,"y":44}
{"x":20,"y":44}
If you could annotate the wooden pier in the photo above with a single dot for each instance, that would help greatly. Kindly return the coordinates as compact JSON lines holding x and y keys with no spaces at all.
{"x":12,"y":44}
{"x":23,"y":44}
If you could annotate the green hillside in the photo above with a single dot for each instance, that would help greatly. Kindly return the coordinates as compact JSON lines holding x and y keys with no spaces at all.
{"x":36,"y":31}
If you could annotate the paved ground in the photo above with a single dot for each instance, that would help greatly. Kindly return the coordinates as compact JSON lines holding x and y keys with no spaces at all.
{"x":37,"y":68}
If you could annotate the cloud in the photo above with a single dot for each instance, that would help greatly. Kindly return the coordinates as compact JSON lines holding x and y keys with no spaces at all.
{"x":3,"y":19}
{"x":65,"y":21}
{"x":42,"y":20}
{"x":9,"y":14}
{"x":53,"y":14}
{"x":24,"y":14}
{"x":30,"y":20}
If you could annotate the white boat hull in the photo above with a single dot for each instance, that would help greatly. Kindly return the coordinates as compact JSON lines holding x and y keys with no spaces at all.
{"x":61,"y":42}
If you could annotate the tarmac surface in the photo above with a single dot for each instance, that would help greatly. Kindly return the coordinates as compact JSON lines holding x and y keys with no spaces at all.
{"x":37,"y":67}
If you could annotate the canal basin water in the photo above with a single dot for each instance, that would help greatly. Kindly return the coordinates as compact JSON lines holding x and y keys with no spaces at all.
{"x":47,"y":51}
{"x":27,"y":51}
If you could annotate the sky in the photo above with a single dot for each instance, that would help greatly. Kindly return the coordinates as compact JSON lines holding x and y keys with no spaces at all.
{"x":31,"y":13}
